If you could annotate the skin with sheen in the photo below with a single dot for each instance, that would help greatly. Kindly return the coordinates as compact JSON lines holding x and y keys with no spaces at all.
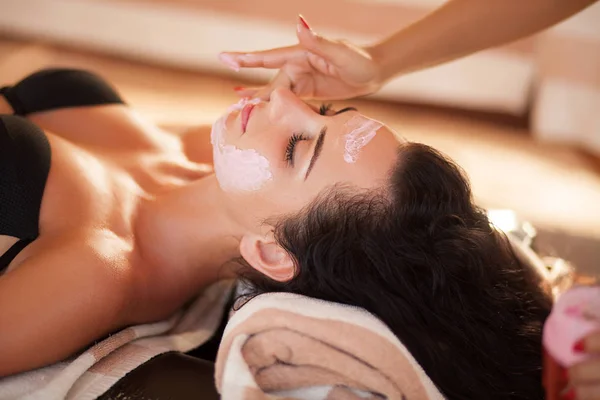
{"x":236,"y":169}
{"x":362,"y":130}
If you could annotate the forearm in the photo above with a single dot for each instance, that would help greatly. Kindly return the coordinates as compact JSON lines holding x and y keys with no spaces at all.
{"x":463,"y":27}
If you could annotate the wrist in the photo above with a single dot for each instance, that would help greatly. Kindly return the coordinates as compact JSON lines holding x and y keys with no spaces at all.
{"x":386,"y":59}
{"x":381,"y":60}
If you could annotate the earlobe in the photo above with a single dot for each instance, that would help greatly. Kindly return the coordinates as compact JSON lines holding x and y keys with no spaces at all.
{"x":267,"y":257}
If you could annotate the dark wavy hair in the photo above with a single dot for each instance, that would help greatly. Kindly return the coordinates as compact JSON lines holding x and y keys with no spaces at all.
{"x":421,"y":256}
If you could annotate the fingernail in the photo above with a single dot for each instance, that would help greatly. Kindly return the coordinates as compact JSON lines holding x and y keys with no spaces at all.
{"x":238,"y":88}
{"x":579,"y":346}
{"x":302,"y":24}
{"x":570,"y":395}
{"x":228,"y":60}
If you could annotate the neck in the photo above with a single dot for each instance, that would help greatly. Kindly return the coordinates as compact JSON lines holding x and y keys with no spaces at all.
{"x":186,"y":232}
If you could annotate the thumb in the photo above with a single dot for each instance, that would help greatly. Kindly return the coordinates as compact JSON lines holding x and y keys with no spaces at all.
{"x":329,"y":50}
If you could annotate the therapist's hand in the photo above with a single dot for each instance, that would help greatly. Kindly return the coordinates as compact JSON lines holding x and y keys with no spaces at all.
{"x":315,"y":68}
{"x":584,"y":378}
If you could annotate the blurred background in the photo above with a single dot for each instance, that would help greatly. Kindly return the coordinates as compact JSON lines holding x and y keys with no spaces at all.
{"x":523,"y":120}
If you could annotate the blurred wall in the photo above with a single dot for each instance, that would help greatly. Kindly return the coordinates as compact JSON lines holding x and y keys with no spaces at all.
{"x":190,"y":34}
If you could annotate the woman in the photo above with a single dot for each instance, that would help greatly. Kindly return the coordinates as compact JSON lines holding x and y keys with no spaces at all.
{"x":118,"y":222}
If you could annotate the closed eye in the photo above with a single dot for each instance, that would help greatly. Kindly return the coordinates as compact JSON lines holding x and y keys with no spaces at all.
{"x":291,"y":147}
{"x":325,"y":108}
{"x":298,"y":137}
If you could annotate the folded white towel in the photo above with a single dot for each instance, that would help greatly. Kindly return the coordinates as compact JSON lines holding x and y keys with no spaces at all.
{"x":281,"y":345}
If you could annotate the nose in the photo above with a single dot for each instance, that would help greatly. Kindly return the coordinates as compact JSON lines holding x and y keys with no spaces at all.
{"x":286,"y":109}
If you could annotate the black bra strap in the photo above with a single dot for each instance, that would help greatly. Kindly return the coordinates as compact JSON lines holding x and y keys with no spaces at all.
{"x":13,"y":101}
{"x":55,"y":88}
{"x":10,"y":254}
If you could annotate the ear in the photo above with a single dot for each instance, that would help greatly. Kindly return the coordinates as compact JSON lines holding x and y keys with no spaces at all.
{"x":267,"y":257}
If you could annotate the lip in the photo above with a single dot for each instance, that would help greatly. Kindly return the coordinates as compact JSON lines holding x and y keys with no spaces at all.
{"x":246,"y":111}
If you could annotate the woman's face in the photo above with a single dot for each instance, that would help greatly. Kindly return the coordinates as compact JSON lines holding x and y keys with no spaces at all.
{"x":273,"y":158}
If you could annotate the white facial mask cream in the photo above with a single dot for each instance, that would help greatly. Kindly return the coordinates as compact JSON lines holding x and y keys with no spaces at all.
{"x":237,"y":169}
{"x":361,"y":131}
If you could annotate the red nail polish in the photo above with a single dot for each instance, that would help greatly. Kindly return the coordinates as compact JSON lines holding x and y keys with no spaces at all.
{"x":570,"y":395}
{"x":238,"y":88}
{"x":303,"y":22}
{"x":579,"y":347}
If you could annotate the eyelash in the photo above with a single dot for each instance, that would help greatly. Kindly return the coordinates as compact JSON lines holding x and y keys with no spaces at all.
{"x":324,"y":108}
{"x":291,"y":146}
{"x":298,"y":137}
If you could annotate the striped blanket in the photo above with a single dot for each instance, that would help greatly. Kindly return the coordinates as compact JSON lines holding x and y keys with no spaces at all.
{"x":91,"y":373}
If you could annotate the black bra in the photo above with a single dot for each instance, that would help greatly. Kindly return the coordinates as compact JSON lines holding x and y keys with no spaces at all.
{"x":24,"y":149}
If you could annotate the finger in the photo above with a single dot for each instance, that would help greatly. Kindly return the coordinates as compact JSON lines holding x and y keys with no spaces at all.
{"x":273,"y":58}
{"x":330,"y":50}
{"x":321,"y":64}
{"x":281,"y":80}
{"x":245,"y":91}
{"x":586,"y":392}
{"x":585,"y":372}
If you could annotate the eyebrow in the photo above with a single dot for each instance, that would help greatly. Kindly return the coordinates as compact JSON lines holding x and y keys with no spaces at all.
{"x":317,"y":151}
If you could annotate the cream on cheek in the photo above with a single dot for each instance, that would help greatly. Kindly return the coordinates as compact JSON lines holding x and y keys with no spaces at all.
{"x":361,"y":131}
{"x":237,"y":169}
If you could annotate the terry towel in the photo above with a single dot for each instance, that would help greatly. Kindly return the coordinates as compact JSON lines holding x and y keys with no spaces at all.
{"x":286,"y":346}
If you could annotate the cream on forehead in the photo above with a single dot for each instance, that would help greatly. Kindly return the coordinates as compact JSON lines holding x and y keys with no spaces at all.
{"x":236,"y":169}
{"x":361,"y":131}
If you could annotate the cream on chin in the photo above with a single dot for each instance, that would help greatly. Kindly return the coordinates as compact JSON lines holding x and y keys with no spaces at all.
{"x":237,"y":169}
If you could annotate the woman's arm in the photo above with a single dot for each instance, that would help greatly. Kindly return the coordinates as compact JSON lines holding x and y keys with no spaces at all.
{"x":462,"y":27}
{"x":56,"y":303}
{"x":79,"y":106}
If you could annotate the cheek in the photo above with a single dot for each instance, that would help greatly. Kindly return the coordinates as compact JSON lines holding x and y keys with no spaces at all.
{"x":244,"y":170}
{"x":236,"y":169}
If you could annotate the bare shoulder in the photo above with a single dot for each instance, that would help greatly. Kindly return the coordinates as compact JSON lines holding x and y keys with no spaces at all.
{"x":78,"y":284}
{"x":92,"y":265}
